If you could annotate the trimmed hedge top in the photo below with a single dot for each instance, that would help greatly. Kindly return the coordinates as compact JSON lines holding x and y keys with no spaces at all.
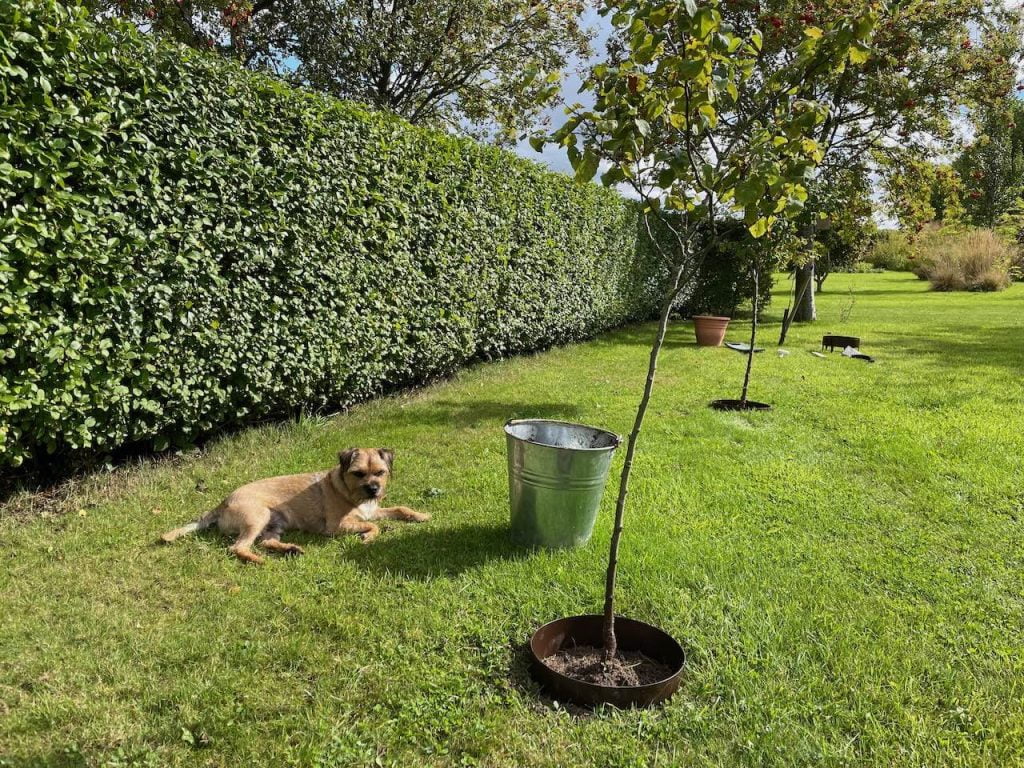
{"x":186,"y":245}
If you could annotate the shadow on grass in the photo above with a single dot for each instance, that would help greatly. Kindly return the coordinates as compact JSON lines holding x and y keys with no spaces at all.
{"x":962,"y":347}
{"x":49,"y":490}
{"x":840,"y":294}
{"x":409,"y":550}
{"x":680,"y":333}
{"x":535,"y":697}
{"x":69,"y":757}
{"x":472,"y":413}
{"x":427,"y":551}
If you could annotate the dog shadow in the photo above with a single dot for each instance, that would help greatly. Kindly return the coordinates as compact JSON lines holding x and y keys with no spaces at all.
{"x":429,"y":551}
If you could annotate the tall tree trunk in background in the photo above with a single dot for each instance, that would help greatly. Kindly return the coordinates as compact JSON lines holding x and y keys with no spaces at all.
{"x":804,"y":311}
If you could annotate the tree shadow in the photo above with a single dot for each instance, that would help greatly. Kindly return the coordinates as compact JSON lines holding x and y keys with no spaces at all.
{"x":54,"y":758}
{"x":50,"y":487}
{"x":429,"y":551}
{"x":962,"y":346}
{"x":678,"y":334}
{"x":839,"y":293}
{"x":473,"y":413}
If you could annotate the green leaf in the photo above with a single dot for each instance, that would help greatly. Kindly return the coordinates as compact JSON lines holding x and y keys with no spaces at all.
{"x":749,"y":192}
{"x":704,"y":22}
{"x":859,"y":54}
{"x":587,"y":167}
{"x":760,"y":227}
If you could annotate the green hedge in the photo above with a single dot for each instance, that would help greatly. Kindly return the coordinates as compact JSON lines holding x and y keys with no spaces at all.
{"x":185,"y":245}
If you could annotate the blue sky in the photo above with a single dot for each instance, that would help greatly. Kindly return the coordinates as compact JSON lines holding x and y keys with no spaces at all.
{"x":552,"y":156}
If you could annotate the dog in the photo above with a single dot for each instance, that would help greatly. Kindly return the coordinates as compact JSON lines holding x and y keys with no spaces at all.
{"x":343,"y":499}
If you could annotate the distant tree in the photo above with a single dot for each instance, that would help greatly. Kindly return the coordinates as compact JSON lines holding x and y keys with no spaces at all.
{"x":449,"y":62}
{"x":255,"y":33}
{"x":920,"y":192}
{"x":483,"y":67}
{"x":930,"y":59}
{"x":992,"y":166}
{"x":839,"y":209}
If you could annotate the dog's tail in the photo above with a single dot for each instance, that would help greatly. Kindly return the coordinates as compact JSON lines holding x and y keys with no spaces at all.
{"x":202,"y":523}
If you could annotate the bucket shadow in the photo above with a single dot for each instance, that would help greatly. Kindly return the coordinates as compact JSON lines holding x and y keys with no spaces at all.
{"x":428,"y":551}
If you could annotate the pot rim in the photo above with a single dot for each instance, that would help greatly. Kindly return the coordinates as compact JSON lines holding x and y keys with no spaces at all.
{"x":711,"y":317}
{"x":615,"y":436}
{"x":598,"y":686}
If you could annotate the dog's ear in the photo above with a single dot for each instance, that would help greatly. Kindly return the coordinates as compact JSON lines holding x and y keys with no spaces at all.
{"x":346,"y":457}
{"x":387,"y":456}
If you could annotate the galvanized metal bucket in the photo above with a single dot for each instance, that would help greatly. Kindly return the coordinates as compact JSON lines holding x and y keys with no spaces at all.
{"x":557,"y":472}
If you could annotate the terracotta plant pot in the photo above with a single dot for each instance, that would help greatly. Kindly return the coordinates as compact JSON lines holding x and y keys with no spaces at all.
{"x":587,"y":630}
{"x":710,"y":330}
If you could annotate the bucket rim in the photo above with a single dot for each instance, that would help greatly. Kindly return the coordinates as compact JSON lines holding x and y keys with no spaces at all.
{"x":616,"y":438}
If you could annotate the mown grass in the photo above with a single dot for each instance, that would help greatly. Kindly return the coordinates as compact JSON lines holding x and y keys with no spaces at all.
{"x":846,"y":571}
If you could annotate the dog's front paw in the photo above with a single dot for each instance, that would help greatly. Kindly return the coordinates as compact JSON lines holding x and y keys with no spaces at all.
{"x":368,"y":536}
{"x":411,"y":515}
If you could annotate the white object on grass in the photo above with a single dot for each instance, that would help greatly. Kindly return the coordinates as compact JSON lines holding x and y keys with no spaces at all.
{"x":851,"y":351}
{"x":783,"y":352}
{"x":817,"y":354}
{"x":740,"y":346}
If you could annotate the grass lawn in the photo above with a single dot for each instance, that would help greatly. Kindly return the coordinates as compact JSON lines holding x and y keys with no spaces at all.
{"x":846,"y":571}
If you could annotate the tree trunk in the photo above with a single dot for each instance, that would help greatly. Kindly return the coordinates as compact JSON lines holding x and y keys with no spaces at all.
{"x":819,"y":277}
{"x":804,"y":310}
{"x":610,"y":642}
{"x":753,"y":339}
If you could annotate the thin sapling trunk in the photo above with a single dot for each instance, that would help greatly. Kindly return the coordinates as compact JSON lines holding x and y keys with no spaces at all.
{"x":610,"y":642}
{"x":753,"y":338}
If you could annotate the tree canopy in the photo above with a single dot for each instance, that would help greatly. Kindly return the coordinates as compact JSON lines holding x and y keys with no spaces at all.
{"x":484,"y":67}
{"x":991,"y":167}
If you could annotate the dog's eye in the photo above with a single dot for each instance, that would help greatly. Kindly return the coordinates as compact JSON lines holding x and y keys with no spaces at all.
{"x":380,"y":473}
{"x":360,"y":475}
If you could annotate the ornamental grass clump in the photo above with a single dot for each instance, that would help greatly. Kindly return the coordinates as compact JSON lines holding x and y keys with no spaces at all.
{"x":973,"y":261}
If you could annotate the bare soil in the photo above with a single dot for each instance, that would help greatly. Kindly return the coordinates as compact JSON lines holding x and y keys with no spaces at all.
{"x":584,"y":662}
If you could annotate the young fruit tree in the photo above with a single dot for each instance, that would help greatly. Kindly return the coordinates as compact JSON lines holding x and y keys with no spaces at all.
{"x":689,"y":114}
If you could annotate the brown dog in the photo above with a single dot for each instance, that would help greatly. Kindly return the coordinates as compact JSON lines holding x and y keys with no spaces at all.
{"x":343,"y":499}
